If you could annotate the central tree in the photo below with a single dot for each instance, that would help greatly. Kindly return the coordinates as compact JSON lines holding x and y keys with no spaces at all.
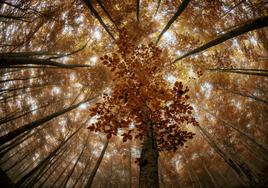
{"x":140,"y":103}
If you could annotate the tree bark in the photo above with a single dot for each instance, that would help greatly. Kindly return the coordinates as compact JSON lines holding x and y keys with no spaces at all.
{"x":181,"y":8}
{"x":138,"y":10}
{"x":232,"y":8}
{"x":39,"y":122}
{"x":252,"y":139}
{"x":254,"y":72}
{"x":158,"y":6}
{"x":106,"y":12}
{"x":8,"y":62}
{"x":244,"y":28}
{"x":96,"y":167}
{"x":149,"y":161}
{"x":78,"y":158}
{"x":233,"y":164}
{"x":96,"y":14}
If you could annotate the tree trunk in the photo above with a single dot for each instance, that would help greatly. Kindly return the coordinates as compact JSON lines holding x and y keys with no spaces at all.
{"x":7,"y":62}
{"x":80,"y":177}
{"x":130,"y":166}
{"x":254,"y":72}
{"x":251,"y":138}
{"x":5,"y":181}
{"x":106,"y":12}
{"x":97,"y":165}
{"x":138,"y":10}
{"x":244,"y":28}
{"x":37,"y":123}
{"x":233,"y":164}
{"x":95,"y":13}
{"x":149,"y":161}
{"x":181,"y":8}
{"x":232,"y":8}
{"x":78,"y":159}
{"x":158,"y":6}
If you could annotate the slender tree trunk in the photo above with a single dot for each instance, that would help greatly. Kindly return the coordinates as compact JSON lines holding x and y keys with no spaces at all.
{"x":78,"y":158}
{"x":95,"y":13}
{"x":39,"y":122}
{"x":149,"y":161}
{"x":138,"y":10}
{"x":11,"y":17}
{"x":249,"y":173}
{"x":62,"y":172}
{"x":158,"y":6}
{"x":181,"y":8}
{"x":130,"y":166}
{"x":42,"y":173}
{"x":258,"y":155}
{"x":244,"y":28}
{"x":79,"y":179}
{"x":211,"y":176}
{"x":232,"y":8}
{"x":192,"y":172}
{"x":96,"y":167}
{"x":8,"y":62}
{"x":28,"y":112}
{"x":254,"y":72}
{"x":252,"y":139}
{"x":249,"y":96}
{"x":233,"y":164}
{"x":106,"y":12}
{"x":5,"y":181}
{"x":16,"y":79}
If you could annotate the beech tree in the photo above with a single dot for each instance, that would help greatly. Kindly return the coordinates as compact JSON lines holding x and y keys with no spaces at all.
{"x":98,"y":93}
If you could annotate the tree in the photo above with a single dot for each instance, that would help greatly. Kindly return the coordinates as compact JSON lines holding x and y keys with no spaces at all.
{"x":147,"y":103}
{"x":246,"y":27}
{"x":56,"y":54}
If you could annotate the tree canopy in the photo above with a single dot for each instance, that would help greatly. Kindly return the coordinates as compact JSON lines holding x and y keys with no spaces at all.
{"x":98,"y":93}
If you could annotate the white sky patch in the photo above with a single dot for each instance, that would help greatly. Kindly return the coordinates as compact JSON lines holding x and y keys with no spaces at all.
{"x":78,"y":85}
{"x":72,"y":76}
{"x":191,"y":72}
{"x":236,"y":103}
{"x":253,"y":41}
{"x":248,"y":126}
{"x":170,"y":78}
{"x":80,"y":19}
{"x":56,"y":90}
{"x":158,"y":17}
{"x":68,"y":30}
{"x":77,"y":115}
{"x":108,"y":91}
{"x":18,"y":104}
{"x":120,"y":131}
{"x":150,"y":7}
{"x":206,"y":89}
{"x":235,"y":43}
{"x":83,"y":106}
{"x":97,"y":34}
{"x":65,"y":60}
{"x":225,"y":8}
{"x":178,"y":53}
{"x":36,"y":155}
{"x":177,"y":163}
{"x":205,"y":54}
{"x":34,"y":106}
{"x":169,"y":37}
{"x":132,"y":125}
{"x":32,"y":103}
{"x":93,"y":60}
{"x":135,"y":152}
{"x":93,"y":119}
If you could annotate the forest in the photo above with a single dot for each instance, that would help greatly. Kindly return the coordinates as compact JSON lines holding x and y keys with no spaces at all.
{"x":134,"y":93}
